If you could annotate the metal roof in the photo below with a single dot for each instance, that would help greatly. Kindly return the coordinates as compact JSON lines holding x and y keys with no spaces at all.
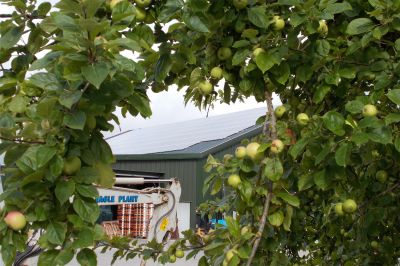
{"x":186,"y":138}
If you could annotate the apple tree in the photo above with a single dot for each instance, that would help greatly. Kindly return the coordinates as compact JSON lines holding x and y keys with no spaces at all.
{"x":322,"y":186}
{"x":319,"y":186}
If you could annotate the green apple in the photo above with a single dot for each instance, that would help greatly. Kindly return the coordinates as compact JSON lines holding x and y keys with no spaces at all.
{"x":206,"y":87}
{"x":172,"y":258}
{"x":374,"y":244}
{"x":252,"y":151}
{"x":322,"y":28}
{"x":339,"y":209}
{"x":179,"y":253}
{"x":72,"y":165}
{"x":15,"y":220}
{"x":224,"y":53}
{"x":140,"y":14}
{"x":381,"y":176}
{"x":240,"y":4}
{"x":234,"y":180}
{"x":216,"y":73}
{"x":279,"y":23}
{"x":280,"y":111}
{"x":240,"y":152}
{"x":302,"y":119}
{"x":369,"y":110}
{"x":349,"y":206}
{"x":143,"y":3}
{"x":277,"y":146}
{"x":91,"y":121}
{"x":258,"y":51}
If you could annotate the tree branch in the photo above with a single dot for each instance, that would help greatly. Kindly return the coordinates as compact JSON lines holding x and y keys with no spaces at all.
{"x":23,"y":141}
{"x":260,"y":229}
{"x":270,"y":134}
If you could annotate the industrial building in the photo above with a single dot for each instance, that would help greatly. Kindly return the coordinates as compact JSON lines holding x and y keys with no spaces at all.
{"x":180,"y":150}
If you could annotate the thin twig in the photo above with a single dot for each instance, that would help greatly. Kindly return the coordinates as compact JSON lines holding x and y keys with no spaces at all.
{"x":23,"y":141}
{"x":260,"y":229}
{"x":272,"y":134}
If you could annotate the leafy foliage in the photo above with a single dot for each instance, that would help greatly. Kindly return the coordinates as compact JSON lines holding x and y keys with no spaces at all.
{"x":329,"y":61}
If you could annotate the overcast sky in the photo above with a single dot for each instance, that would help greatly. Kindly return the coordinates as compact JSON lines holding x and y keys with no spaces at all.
{"x":168,"y":107}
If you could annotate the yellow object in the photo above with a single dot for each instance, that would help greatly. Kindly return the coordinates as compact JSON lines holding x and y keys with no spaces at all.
{"x":164,"y":224}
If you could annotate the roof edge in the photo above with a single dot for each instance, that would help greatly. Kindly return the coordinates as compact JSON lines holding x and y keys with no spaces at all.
{"x":187,"y":156}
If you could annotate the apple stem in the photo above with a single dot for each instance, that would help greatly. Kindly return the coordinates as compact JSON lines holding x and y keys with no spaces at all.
{"x":271,"y":134}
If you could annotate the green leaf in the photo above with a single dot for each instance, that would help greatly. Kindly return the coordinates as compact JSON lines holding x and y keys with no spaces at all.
{"x":171,"y":7}
{"x":6,"y":120}
{"x":85,"y":238}
{"x":48,"y":257}
{"x":86,"y":257}
{"x":320,"y":180}
{"x":273,"y":169}
{"x":233,"y":226}
{"x":240,"y":56}
{"x":397,"y":143}
{"x":276,"y":219}
{"x":75,"y":120}
{"x":305,"y":182}
{"x":323,"y":47}
{"x":281,"y":73}
{"x":55,"y":233}
{"x":342,"y":155}
{"x":87,"y":191}
{"x":360,"y":25}
{"x":44,"y":8}
{"x":163,"y":67}
{"x":381,"y":135}
{"x":360,"y":138}
{"x":320,"y":93}
{"x":141,"y":103}
{"x":354,"y":107}
{"x":11,"y":37}
{"x":69,"y":98}
{"x":95,"y":73}
{"x":288,"y":218}
{"x":8,"y":253}
{"x":64,"y":190}
{"x":291,"y":199}
{"x":297,"y":148}
{"x":195,"y":22}
{"x":216,"y":186}
{"x":257,"y":16}
{"x":45,"y":61}
{"x":36,"y":157}
{"x":322,"y":154}
{"x":64,"y":22}
{"x":87,"y":209}
{"x":47,"y":81}
{"x":123,"y":12}
{"x":334,"y":122}
{"x":348,"y":73}
{"x":394,"y":96}
{"x":265,"y":61}
{"x":65,"y":256}
{"x":337,"y":8}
